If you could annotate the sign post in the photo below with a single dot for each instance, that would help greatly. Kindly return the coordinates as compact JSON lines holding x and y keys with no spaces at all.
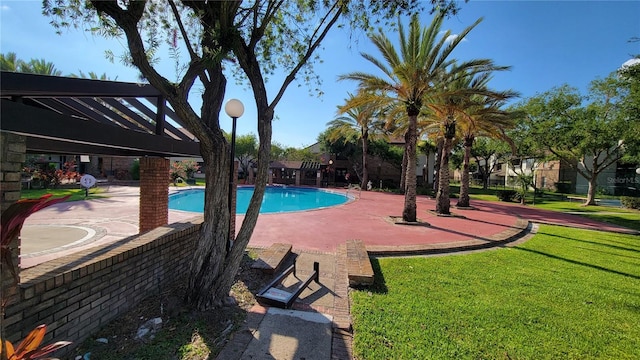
{"x":87,"y":181}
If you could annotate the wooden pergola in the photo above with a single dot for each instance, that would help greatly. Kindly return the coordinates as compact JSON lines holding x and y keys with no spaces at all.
{"x":72,"y":116}
{"x":61,"y":115}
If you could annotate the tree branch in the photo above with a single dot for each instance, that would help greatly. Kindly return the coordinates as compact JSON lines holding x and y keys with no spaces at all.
{"x":307,"y":55}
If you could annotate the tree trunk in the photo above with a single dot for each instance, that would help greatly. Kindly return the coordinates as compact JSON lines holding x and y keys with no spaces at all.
{"x":436,"y":166}
{"x":464,"y":200}
{"x":485,"y":176}
{"x":405,"y":158}
{"x":409,"y":212}
{"x":365,"y":172}
{"x":443,"y":203}
{"x":591,"y":193}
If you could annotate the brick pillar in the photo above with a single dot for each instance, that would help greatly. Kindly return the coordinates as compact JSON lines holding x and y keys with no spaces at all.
{"x":14,"y":148}
{"x":232,"y":220}
{"x":154,"y":193}
{"x":12,"y":156}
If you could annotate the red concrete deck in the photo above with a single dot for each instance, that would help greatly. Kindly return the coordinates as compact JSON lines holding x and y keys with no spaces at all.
{"x":367,"y":218}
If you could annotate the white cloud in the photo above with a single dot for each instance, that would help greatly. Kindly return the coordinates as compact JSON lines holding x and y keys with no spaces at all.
{"x":5,"y":8}
{"x":452,"y":37}
{"x":631,"y":62}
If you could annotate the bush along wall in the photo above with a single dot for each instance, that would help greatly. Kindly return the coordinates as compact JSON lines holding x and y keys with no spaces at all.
{"x":630,"y":202}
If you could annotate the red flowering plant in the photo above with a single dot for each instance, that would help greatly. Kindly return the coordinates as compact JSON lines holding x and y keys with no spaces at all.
{"x":28,"y":347}
{"x":11,"y":223}
{"x":177,"y":172}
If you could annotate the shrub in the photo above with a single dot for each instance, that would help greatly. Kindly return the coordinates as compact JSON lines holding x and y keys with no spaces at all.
{"x":630,"y":202}
{"x":563,"y":187}
{"x":506,"y":195}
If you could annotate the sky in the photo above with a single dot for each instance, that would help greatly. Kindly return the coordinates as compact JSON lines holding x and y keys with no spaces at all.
{"x":546,"y":43}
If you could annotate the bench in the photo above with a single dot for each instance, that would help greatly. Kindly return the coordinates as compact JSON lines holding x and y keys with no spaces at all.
{"x":272,"y":257}
{"x":359,"y":267}
{"x":580,"y":199}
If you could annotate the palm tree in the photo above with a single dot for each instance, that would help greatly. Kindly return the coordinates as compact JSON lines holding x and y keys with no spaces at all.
{"x":409,"y":78}
{"x":358,"y":123}
{"x":458,"y":91}
{"x":10,"y":62}
{"x":91,"y":75}
{"x":41,"y":66}
{"x":487,"y":120}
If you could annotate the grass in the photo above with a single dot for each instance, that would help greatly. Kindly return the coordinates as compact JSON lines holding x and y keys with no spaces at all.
{"x":628,"y":218}
{"x":566,"y":293}
{"x":76,"y":194}
{"x":623,"y":217}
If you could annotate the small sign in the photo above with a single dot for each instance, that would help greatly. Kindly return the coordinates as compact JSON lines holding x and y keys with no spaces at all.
{"x":87,"y":181}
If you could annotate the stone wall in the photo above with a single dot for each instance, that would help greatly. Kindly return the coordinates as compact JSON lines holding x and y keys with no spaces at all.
{"x":78,"y":294}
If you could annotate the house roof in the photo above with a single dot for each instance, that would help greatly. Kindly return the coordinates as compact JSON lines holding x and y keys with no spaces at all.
{"x":298,"y":165}
{"x":61,"y":115}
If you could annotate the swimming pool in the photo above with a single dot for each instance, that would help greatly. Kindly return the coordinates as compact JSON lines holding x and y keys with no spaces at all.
{"x":277,"y":199}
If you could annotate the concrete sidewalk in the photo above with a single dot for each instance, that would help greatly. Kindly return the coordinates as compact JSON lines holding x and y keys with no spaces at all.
{"x":316,"y":328}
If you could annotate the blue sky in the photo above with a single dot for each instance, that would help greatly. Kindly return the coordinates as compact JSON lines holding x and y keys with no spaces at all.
{"x":547,"y":43}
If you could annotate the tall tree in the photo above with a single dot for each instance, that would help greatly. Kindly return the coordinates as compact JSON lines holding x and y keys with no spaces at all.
{"x":409,"y":75}
{"x":488,"y":153}
{"x":458,"y":91}
{"x":10,"y":62}
{"x":597,"y":130}
{"x":485,"y":118}
{"x":40,"y":66}
{"x":360,"y":121}
{"x":253,"y":37}
{"x":246,"y":150}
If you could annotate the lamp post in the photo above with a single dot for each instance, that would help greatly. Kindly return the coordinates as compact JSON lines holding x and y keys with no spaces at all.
{"x":234,"y":109}
{"x":329,"y":179}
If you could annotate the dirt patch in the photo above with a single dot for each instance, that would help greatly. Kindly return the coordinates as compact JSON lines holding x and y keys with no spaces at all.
{"x":185,"y":333}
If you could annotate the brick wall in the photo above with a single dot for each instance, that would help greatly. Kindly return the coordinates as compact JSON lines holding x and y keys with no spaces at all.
{"x":12,"y":156}
{"x":154,"y":193}
{"x":78,"y":294}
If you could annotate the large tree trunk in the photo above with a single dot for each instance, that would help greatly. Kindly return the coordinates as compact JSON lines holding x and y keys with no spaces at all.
{"x":213,"y":266}
{"x":365,"y":172}
{"x":211,"y":274}
{"x":591,"y":193}
{"x":409,"y":212}
{"x":464,"y":200}
{"x":443,"y":203}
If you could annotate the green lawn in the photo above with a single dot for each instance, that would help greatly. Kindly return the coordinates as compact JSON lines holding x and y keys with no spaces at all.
{"x":623,"y":217}
{"x":76,"y":194}
{"x":565,"y":294}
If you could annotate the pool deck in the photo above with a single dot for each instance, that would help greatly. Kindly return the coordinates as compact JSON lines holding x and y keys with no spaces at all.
{"x":73,"y":226}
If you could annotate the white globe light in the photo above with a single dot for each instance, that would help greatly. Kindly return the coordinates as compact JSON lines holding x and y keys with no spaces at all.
{"x":234,"y":108}
{"x":638,"y":171}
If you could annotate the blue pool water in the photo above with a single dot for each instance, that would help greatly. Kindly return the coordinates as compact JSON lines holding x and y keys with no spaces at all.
{"x":276,"y":199}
